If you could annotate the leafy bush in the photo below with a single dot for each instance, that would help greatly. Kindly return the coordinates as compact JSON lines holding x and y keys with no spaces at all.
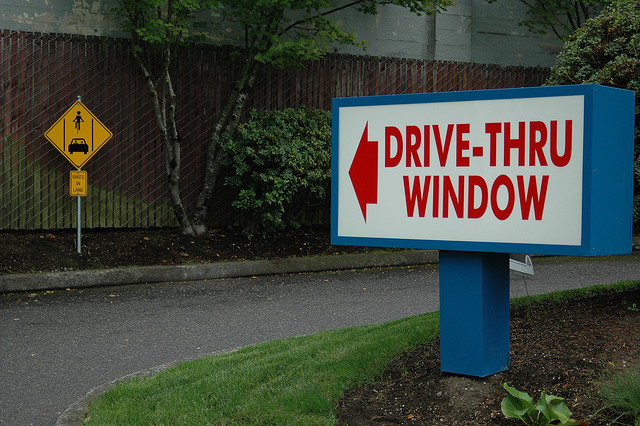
{"x":606,"y":50}
{"x":282,"y":165}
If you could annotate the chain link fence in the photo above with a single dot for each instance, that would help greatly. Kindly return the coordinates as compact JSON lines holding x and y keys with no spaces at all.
{"x":41,"y":75}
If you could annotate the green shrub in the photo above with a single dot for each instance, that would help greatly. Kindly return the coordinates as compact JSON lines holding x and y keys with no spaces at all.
{"x":281,"y":163}
{"x":606,"y":50}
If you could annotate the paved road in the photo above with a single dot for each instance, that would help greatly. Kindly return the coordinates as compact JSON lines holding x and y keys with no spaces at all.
{"x":56,"y":346}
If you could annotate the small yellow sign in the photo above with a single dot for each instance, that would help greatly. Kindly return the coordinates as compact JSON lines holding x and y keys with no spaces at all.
{"x":78,"y":134}
{"x":78,"y":183}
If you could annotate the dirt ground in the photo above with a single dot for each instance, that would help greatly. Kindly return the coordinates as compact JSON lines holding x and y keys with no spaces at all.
{"x":38,"y":251}
{"x":561,"y":350}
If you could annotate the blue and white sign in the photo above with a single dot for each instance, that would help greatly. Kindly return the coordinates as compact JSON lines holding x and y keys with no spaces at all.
{"x":544,"y":170}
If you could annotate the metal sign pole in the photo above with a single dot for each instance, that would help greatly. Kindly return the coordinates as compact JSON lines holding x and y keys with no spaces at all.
{"x":79,"y":212}
{"x":474,"y":313}
{"x":86,"y":140}
{"x":79,"y":224}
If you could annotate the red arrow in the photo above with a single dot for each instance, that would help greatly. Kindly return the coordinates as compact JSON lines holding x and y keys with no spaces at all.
{"x":364,"y":172}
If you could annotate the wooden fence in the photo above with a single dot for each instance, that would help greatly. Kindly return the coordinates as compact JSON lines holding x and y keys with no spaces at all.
{"x":41,"y":75}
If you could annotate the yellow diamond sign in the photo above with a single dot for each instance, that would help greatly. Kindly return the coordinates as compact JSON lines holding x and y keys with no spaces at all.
{"x":78,"y":134}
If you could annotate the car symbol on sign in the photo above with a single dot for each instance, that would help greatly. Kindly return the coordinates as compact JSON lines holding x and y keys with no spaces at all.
{"x":78,"y":145}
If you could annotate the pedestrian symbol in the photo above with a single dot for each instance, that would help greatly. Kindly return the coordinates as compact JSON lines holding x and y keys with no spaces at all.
{"x":78,"y":120}
{"x":78,"y":134}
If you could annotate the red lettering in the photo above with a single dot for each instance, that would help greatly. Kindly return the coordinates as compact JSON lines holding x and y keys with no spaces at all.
{"x":537,"y":140}
{"x":436,"y":195}
{"x":531,"y":192}
{"x":413,"y":134}
{"x":477,"y":182}
{"x":493,"y":129}
{"x":531,"y":196}
{"x":416,"y":195}
{"x":389,"y":160}
{"x":561,"y":160}
{"x":443,"y":149}
{"x":462,"y":145}
{"x":502,"y":180}
{"x":449,"y":193}
{"x":514,"y":143}
{"x":427,"y":146}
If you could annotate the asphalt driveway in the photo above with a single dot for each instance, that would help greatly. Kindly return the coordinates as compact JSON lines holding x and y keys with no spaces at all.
{"x":58,"y":345}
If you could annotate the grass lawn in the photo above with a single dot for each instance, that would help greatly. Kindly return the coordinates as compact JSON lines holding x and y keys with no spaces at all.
{"x":290,"y":381}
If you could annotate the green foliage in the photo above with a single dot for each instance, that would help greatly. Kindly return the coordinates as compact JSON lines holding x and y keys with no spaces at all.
{"x":607,"y":51}
{"x":547,"y":411}
{"x":284,"y":32}
{"x":161,"y":22}
{"x":622,"y":394}
{"x":562,"y":17}
{"x":279,"y":32}
{"x":281,"y":163}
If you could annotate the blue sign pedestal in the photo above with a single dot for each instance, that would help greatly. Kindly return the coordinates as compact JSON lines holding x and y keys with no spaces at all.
{"x":474,"y":313}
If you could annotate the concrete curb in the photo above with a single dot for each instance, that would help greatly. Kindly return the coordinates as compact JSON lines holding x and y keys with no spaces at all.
{"x":13,"y":283}
{"x":76,"y":413}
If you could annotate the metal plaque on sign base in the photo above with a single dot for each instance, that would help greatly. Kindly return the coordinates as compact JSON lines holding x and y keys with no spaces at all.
{"x":78,"y":183}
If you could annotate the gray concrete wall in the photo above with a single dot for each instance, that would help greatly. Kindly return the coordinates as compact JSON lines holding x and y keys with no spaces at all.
{"x":453,"y":33}
{"x":393,"y":32}
{"x":477,"y":31}
{"x":86,"y":17}
{"x":471,"y":31}
{"x":498,"y":37}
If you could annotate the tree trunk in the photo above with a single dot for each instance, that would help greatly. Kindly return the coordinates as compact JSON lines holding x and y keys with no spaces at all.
{"x":173,"y":157}
{"x":227,"y":123}
{"x":165,"y":112}
{"x":173,"y":179}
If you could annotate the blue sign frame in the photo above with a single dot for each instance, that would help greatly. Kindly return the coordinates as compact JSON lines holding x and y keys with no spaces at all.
{"x":607,"y":191}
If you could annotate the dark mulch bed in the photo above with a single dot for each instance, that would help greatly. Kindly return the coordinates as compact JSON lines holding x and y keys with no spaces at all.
{"x":46,"y":251}
{"x":560,"y":349}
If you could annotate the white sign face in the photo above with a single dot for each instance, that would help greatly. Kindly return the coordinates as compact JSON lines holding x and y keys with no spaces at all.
{"x":487,"y":170}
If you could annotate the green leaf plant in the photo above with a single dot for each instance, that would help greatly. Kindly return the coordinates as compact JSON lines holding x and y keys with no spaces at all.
{"x":281,"y":33}
{"x":549,"y":410}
